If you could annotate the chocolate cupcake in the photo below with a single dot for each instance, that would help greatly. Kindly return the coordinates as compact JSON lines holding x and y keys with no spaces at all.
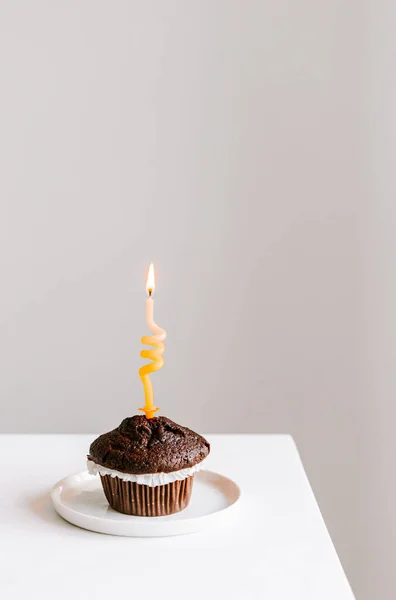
{"x":147,"y":466}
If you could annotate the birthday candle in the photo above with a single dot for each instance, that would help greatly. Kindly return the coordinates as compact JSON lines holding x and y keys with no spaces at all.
{"x":156,"y":341}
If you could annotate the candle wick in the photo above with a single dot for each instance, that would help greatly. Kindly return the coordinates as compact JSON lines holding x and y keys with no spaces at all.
{"x":150,"y":293}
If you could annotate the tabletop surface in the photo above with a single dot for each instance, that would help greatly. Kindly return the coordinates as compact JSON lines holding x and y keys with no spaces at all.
{"x":276,"y":546}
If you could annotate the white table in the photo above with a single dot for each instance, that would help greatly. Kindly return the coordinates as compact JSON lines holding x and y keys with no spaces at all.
{"x":276,"y":546}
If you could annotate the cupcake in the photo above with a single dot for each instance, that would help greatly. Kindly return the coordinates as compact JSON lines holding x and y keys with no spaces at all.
{"x":147,"y":466}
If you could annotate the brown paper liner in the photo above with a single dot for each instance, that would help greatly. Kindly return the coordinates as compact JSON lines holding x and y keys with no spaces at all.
{"x":145,"y":501}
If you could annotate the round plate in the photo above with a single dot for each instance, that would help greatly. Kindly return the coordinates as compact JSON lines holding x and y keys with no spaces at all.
{"x":80,"y":500}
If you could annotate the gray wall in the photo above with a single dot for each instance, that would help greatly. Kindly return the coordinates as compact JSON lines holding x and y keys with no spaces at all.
{"x":241,"y":146}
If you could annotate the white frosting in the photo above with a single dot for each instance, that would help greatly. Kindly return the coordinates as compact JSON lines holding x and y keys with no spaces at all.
{"x":150,"y":479}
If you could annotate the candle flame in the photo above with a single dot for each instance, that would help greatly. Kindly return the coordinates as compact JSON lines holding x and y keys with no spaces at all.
{"x":150,"y":285}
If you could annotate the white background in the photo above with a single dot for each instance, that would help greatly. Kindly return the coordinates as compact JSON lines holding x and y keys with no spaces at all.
{"x":247,"y":149}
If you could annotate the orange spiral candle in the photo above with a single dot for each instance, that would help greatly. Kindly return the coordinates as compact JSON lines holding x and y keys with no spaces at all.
{"x":157,"y":342}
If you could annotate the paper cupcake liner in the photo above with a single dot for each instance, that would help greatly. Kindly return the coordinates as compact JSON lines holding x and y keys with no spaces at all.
{"x":144,"y":501}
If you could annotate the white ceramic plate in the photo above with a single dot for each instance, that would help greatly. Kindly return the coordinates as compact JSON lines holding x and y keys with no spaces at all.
{"x":80,"y":500}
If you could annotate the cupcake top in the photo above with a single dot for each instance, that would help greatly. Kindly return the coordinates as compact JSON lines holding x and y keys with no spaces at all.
{"x":140,"y":445}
